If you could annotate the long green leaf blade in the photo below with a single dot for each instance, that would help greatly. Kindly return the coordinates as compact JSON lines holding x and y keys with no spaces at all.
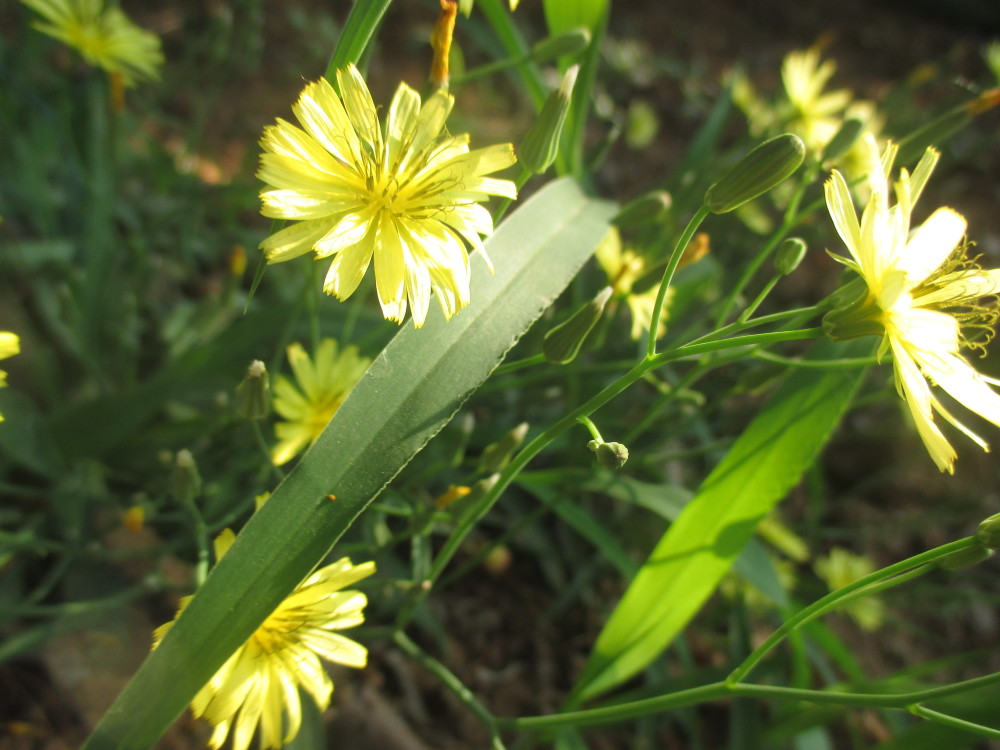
{"x":701,"y":545}
{"x":409,"y":393}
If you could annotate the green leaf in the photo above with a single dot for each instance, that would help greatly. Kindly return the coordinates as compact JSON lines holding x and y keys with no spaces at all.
{"x":409,"y":393}
{"x":687,"y":564}
{"x":358,"y":31}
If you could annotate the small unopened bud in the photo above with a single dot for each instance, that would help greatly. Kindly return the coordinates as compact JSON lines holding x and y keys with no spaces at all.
{"x":843,"y":139}
{"x":569,"y":42}
{"x":611,"y":455}
{"x":963,"y":558}
{"x":766,"y":166}
{"x":497,"y":562}
{"x":790,"y":254}
{"x":541,"y":144}
{"x":441,"y":37}
{"x":185,"y":482}
{"x":253,"y":399}
{"x":498,"y":455}
{"x":453,"y":493}
{"x":644,"y":209}
{"x":989,"y":532}
{"x":562,"y":343}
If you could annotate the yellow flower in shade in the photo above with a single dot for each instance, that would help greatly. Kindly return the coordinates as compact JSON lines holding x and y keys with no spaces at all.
{"x":10,"y":345}
{"x":407,"y":197}
{"x":624,"y":268}
{"x":323,"y":384}
{"x":923,"y":296}
{"x":104,"y":36}
{"x":259,"y":684}
{"x":841,"y":568}
{"x":817,"y":114}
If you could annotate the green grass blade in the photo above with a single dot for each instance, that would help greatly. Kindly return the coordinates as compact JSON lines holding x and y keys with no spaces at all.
{"x":691,"y":558}
{"x":561,"y":16}
{"x":409,"y":393}
{"x":358,"y":31}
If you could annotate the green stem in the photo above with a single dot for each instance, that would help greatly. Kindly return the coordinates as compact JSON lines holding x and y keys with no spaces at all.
{"x":520,"y":364}
{"x":792,"y":217}
{"x":752,"y":307}
{"x":834,"y":598}
{"x":953,"y":721}
{"x":475,"y":513}
{"x":591,"y":427}
{"x":822,"y":364}
{"x":265,"y":451}
{"x":716,"y":690}
{"x":450,"y":681}
{"x":668,"y":275}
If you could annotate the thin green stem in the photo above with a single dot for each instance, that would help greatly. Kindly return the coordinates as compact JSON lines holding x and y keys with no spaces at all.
{"x":716,"y":690}
{"x":952,"y":721}
{"x":520,"y":364}
{"x":792,"y":218}
{"x":591,"y":427}
{"x":752,"y":307}
{"x":526,"y":454}
{"x":450,"y":681}
{"x":265,"y":451}
{"x":821,"y":364}
{"x":834,"y":598}
{"x":668,"y":275}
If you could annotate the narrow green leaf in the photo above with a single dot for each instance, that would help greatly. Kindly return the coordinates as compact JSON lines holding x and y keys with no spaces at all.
{"x":691,"y":558}
{"x":358,"y":31}
{"x":409,"y":393}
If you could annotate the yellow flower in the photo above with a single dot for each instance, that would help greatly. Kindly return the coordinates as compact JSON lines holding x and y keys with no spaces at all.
{"x":624,"y":268}
{"x":104,"y":36}
{"x":10,"y":345}
{"x":409,"y":197}
{"x":841,"y":568}
{"x":323,"y":384}
{"x":260,"y":682}
{"x":923,"y":297}
{"x":817,"y":115}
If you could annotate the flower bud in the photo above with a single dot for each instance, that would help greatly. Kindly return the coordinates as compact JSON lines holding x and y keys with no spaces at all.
{"x":843,"y":139}
{"x":644,"y":209}
{"x":988,"y":533}
{"x":569,"y":42}
{"x":185,"y":482}
{"x":441,"y":38}
{"x":562,"y":343}
{"x":963,"y":558}
{"x":541,"y":144}
{"x":766,"y":166}
{"x":611,"y":455}
{"x":253,"y":400}
{"x":498,"y":455}
{"x":790,"y":254}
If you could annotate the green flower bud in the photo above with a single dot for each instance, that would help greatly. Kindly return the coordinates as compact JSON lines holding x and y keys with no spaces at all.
{"x":644,"y":209}
{"x":989,"y":532}
{"x":789,"y":255}
{"x":569,"y":42}
{"x":759,"y":171}
{"x":611,"y":455}
{"x":253,"y":398}
{"x":963,"y":558}
{"x":498,"y":455}
{"x":541,"y":144}
{"x":843,"y":139}
{"x":562,"y":343}
{"x":185,"y":482}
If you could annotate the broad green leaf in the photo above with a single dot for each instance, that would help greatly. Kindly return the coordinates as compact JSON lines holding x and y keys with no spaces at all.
{"x":697,"y":550}
{"x":412,"y":389}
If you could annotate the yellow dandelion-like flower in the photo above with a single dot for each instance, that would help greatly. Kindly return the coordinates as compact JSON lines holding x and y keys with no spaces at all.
{"x":259,"y":684}
{"x":10,"y":345}
{"x":104,"y":36}
{"x":817,"y":114}
{"x":323,"y":384}
{"x":409,"y":197}
{"x":924,"y":297}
